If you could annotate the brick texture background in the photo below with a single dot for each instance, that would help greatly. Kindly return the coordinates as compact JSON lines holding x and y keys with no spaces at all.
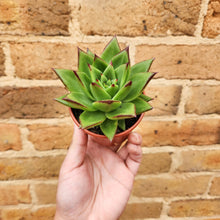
{"x":179,"y":177}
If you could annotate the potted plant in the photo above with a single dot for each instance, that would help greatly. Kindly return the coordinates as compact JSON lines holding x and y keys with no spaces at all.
{"x":105,"y":96}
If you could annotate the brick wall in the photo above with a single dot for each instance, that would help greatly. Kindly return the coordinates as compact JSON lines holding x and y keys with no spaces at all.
{"x":179,"y":177}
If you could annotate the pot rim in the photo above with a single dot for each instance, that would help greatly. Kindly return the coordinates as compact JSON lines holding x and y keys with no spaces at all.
{"x":103,"y":136}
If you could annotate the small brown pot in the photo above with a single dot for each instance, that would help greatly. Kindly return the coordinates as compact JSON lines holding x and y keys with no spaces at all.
{"x":102,"y":139}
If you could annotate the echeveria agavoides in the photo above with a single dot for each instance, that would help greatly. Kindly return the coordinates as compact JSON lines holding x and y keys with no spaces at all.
{"x":106,"y":88}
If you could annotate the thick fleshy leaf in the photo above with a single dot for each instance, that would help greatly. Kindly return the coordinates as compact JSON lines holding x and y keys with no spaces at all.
{"x":98,"y":92}
{"x":141,"y":67}
{"x":99,"y":63}
{"x":127,"y":110}
{"x":112,"y":89}
{"x":141,"y":105}
{"x":85,"y":79}
{"x":89,"y":52}
{"x":109,"y":72}
{"x":110,"y":50}
{"x":94,"y":73}
{"x":146,"y":98}
{"x":103,"y":78}
{"x":69,"y":104}
{"x":125,"y":76}
{"x":123,"y":92}
{"x":106,"y":105}
{"x":121,"y":58}
{"x":71,"y":80}
{"x":91,"y":119}
{"x":81,"y":100}
{"x":139,"y":82}
{"x":109,"y":128}
{"x":119,"y":72}
{"x":83,"y":60}
{"x":121,"y":124}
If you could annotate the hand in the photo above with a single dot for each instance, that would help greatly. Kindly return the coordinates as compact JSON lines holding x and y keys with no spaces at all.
{"x":95,"y":182}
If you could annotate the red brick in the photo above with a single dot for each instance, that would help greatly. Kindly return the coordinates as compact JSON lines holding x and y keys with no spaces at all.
{"x":182,"y":61}
{"x":35,"y":102}
{"x":30,"y":168}
{"x":210,"y":96}
{"x":173,"y":185}
{"x":195,"y":161}
{"x":31,"y":17}
{"x":142,"y":211}
{"x":14,"y":194}
{"x":46,"y":193}
{"x":48,"y":137}
{"x":195,"y":208}
{"x":211,"y":25}
{"x":188,"y":132}
{"x":155,"y":163}
{"x":165,"y":99}
{"x":2,"y":62}
{"x":10,"y":137}
{"x":138,"y":18}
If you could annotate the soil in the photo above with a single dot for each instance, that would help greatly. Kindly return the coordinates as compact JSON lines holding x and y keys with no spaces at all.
{"x":128,"y":122}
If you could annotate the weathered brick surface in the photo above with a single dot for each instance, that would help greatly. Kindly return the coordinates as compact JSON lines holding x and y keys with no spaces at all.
{"x":155,"y":163}
{"x":173,"y":185}
{"x":48,"y":137}
{"x":195,"y":208}
{"x":215,"y":187}
{"x":10,"y":137}
{"x":14,"y":194}
{"x":165,"y":99}
{"x":45,"y":193}
{"x":35,"y":60}
{"x":34,"y":17}
{"x":45,"y":213}
{"x":30,"y":168}
{"x":35,"y":102}
{"x":189,"y":132}
{"x":194,"y":161}
{"x":142,"y":211}
{"x":211,"y":25}
{"x":203,"y":100}
{"x":182,"y":61}
{"x":138,"y":18}
{"x":2,"y":62}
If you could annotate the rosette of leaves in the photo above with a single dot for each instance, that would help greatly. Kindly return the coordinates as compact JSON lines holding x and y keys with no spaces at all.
{"x":106,"y":88}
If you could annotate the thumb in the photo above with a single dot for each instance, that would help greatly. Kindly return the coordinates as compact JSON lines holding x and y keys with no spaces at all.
{"x":77,"y":150}
{"x":134,"y":150}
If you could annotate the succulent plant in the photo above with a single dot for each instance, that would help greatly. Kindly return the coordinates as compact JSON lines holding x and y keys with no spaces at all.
{"x":107,"y":89}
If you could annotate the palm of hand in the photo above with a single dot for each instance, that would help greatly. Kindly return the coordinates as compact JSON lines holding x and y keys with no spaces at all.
{"x":98,"y":185}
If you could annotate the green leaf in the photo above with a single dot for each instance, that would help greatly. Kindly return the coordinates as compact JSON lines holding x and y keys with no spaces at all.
{"x":127,"y":110}
{"x":112,"y":89}
{"x":119,"y":72}
{"x":84,"y":60}
{"x":99,"y":63}
{"x":71,"y":80}
{"x":69,"y":104}
{"x":106,"y":105}
{"x":141,"y":105}
{"x":109,"y":72}
{"x":125,"y":76}
{"x":139,"y":82}
{"x":120,"y":58}
{"x":80,"y":100}
{"x":143,"y":66}
{"x":103,"y":78}
{"x":85,"y":79}
{"x":98,"y":92}
{"x":123,"y":92}
{"x":146,"y":98}
{"x":109,"y":128}
{"x":121,"y":124}
{"x":94,"y":73}
{"x":110,"y":50}
{"x":89,"y":52}
{"x":91,"y":119}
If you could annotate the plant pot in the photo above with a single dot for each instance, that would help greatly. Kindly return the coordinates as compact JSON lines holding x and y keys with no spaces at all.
{"x":102,"y":139}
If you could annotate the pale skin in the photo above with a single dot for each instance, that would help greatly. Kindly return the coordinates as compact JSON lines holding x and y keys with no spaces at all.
{"x":95,"y":182}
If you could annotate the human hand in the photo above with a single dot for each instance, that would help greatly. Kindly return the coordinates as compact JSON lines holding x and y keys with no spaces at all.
{"x":95,"y":182}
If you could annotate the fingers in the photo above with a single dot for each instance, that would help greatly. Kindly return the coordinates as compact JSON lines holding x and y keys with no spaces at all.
{"x":77,"y":149}
{"x":134,"y":152}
